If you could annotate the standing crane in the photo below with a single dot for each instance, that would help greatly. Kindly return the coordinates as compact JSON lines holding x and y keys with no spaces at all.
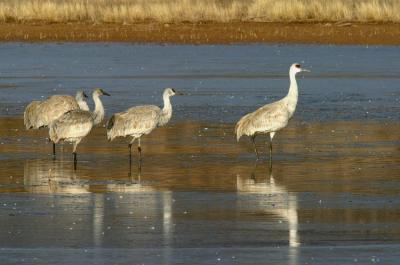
{"x":272,"y":117}
{"x":39,"y":114}
{"x":74,"y":125}
{"x":140,"y":120}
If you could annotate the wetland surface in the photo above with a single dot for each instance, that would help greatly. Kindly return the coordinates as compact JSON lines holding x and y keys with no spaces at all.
{"x":331,"y":196}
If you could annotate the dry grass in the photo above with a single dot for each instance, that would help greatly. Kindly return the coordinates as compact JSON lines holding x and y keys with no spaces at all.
{"x":130,"y":11}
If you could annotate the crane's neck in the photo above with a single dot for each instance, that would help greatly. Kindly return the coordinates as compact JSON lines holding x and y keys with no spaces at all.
{"x":83,"y":105}
{"x":293,"y":94}
{"x":98,"y":114}
{"x":166,"y":112}
{"x":81,"y":102}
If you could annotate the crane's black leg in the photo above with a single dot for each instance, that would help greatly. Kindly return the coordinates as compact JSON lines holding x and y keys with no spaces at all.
{"x":139,"y":169}
{"x":270,"y":152}
{"x":75,"y":160}
{"x":255,"y":146}
{"x":270,"y":159}
{"x":54,"y":150}
{"x":130,"y":168}
{"x":130,"y":160}
{"x":74,"y":152}
{"x":140,"y":151}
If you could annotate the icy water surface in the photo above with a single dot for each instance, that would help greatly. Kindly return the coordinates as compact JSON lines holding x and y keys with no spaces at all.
{"x":331,"y":196}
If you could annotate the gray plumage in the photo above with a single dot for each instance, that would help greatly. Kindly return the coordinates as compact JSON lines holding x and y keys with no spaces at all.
{"x":74,"y":125}
{"x":140,"y":120}
{"x":40,"y":114}
{"x":271,"y":117}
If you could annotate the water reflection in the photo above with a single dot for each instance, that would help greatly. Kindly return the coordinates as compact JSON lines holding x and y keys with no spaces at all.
{"x":192,"y":187}
{"x":139,"y":167}
{"x":131,"y":185}
{"x":52,"y":176}
{"x":146,"y":204}
{"x":284,"y":203}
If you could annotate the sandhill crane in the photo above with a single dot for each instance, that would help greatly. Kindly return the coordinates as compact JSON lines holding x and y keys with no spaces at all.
{"x":39,"y":114}
{"x":74,"y":125}
{"x":140,"y":120}
{"x":271,"y":117}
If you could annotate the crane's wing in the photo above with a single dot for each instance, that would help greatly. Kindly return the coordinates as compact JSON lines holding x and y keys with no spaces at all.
{"x":52,"y":108}
{"x":268,"y":118}
{"x":73,"y":124}
{"x":134,"y":121}
{"x":271,"y":117}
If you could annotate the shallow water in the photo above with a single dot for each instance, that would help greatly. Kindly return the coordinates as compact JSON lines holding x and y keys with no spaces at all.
{"x":331,"y":196}
{"x":347,"y":82}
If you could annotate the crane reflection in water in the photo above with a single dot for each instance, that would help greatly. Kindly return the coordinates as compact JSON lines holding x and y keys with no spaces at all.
{"x":52,"y":176}
{"x":273,"y":198}
{"x":136,"y":202}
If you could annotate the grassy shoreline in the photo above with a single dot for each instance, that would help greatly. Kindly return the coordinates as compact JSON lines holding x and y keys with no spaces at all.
{"x":205,"y":33}
{"x":202,"y":21}
{"x":173,"y":11}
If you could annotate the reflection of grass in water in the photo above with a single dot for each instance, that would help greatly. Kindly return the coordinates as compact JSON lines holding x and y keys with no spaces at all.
{"x":126,"y":11}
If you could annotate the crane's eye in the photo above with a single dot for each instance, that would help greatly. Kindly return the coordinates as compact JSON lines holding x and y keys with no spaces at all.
{"x":297,"y":65}
{"x":173,"y":90}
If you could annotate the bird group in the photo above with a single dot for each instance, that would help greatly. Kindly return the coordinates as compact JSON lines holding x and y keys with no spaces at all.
{"x":70,"y":119}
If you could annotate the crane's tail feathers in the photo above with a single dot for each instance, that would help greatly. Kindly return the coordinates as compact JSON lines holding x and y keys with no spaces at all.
{"x":109,"y":137}
{"x":27,"y":122}
{"x":238,"y":131}
{"x":244,"y":126}
{"x":114,"y":128}
{"x":110,"y":127}
{"x":30,"y":115}
{"x":110,"y":122}
{"x":53,"y":133}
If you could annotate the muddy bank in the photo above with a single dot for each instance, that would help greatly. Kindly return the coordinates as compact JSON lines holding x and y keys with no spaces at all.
{"x":207,"y":33}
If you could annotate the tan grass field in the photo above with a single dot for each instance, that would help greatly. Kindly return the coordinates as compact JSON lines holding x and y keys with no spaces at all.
{"x":166,"y":11}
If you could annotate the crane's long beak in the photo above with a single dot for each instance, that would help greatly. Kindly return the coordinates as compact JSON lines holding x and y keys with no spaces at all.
{"x":180,"y":93}
{"x":305,"y":70}
{"x":106,"y":94}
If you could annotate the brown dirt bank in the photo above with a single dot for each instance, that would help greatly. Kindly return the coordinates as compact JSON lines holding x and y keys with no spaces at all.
{"x":207,"y":33}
